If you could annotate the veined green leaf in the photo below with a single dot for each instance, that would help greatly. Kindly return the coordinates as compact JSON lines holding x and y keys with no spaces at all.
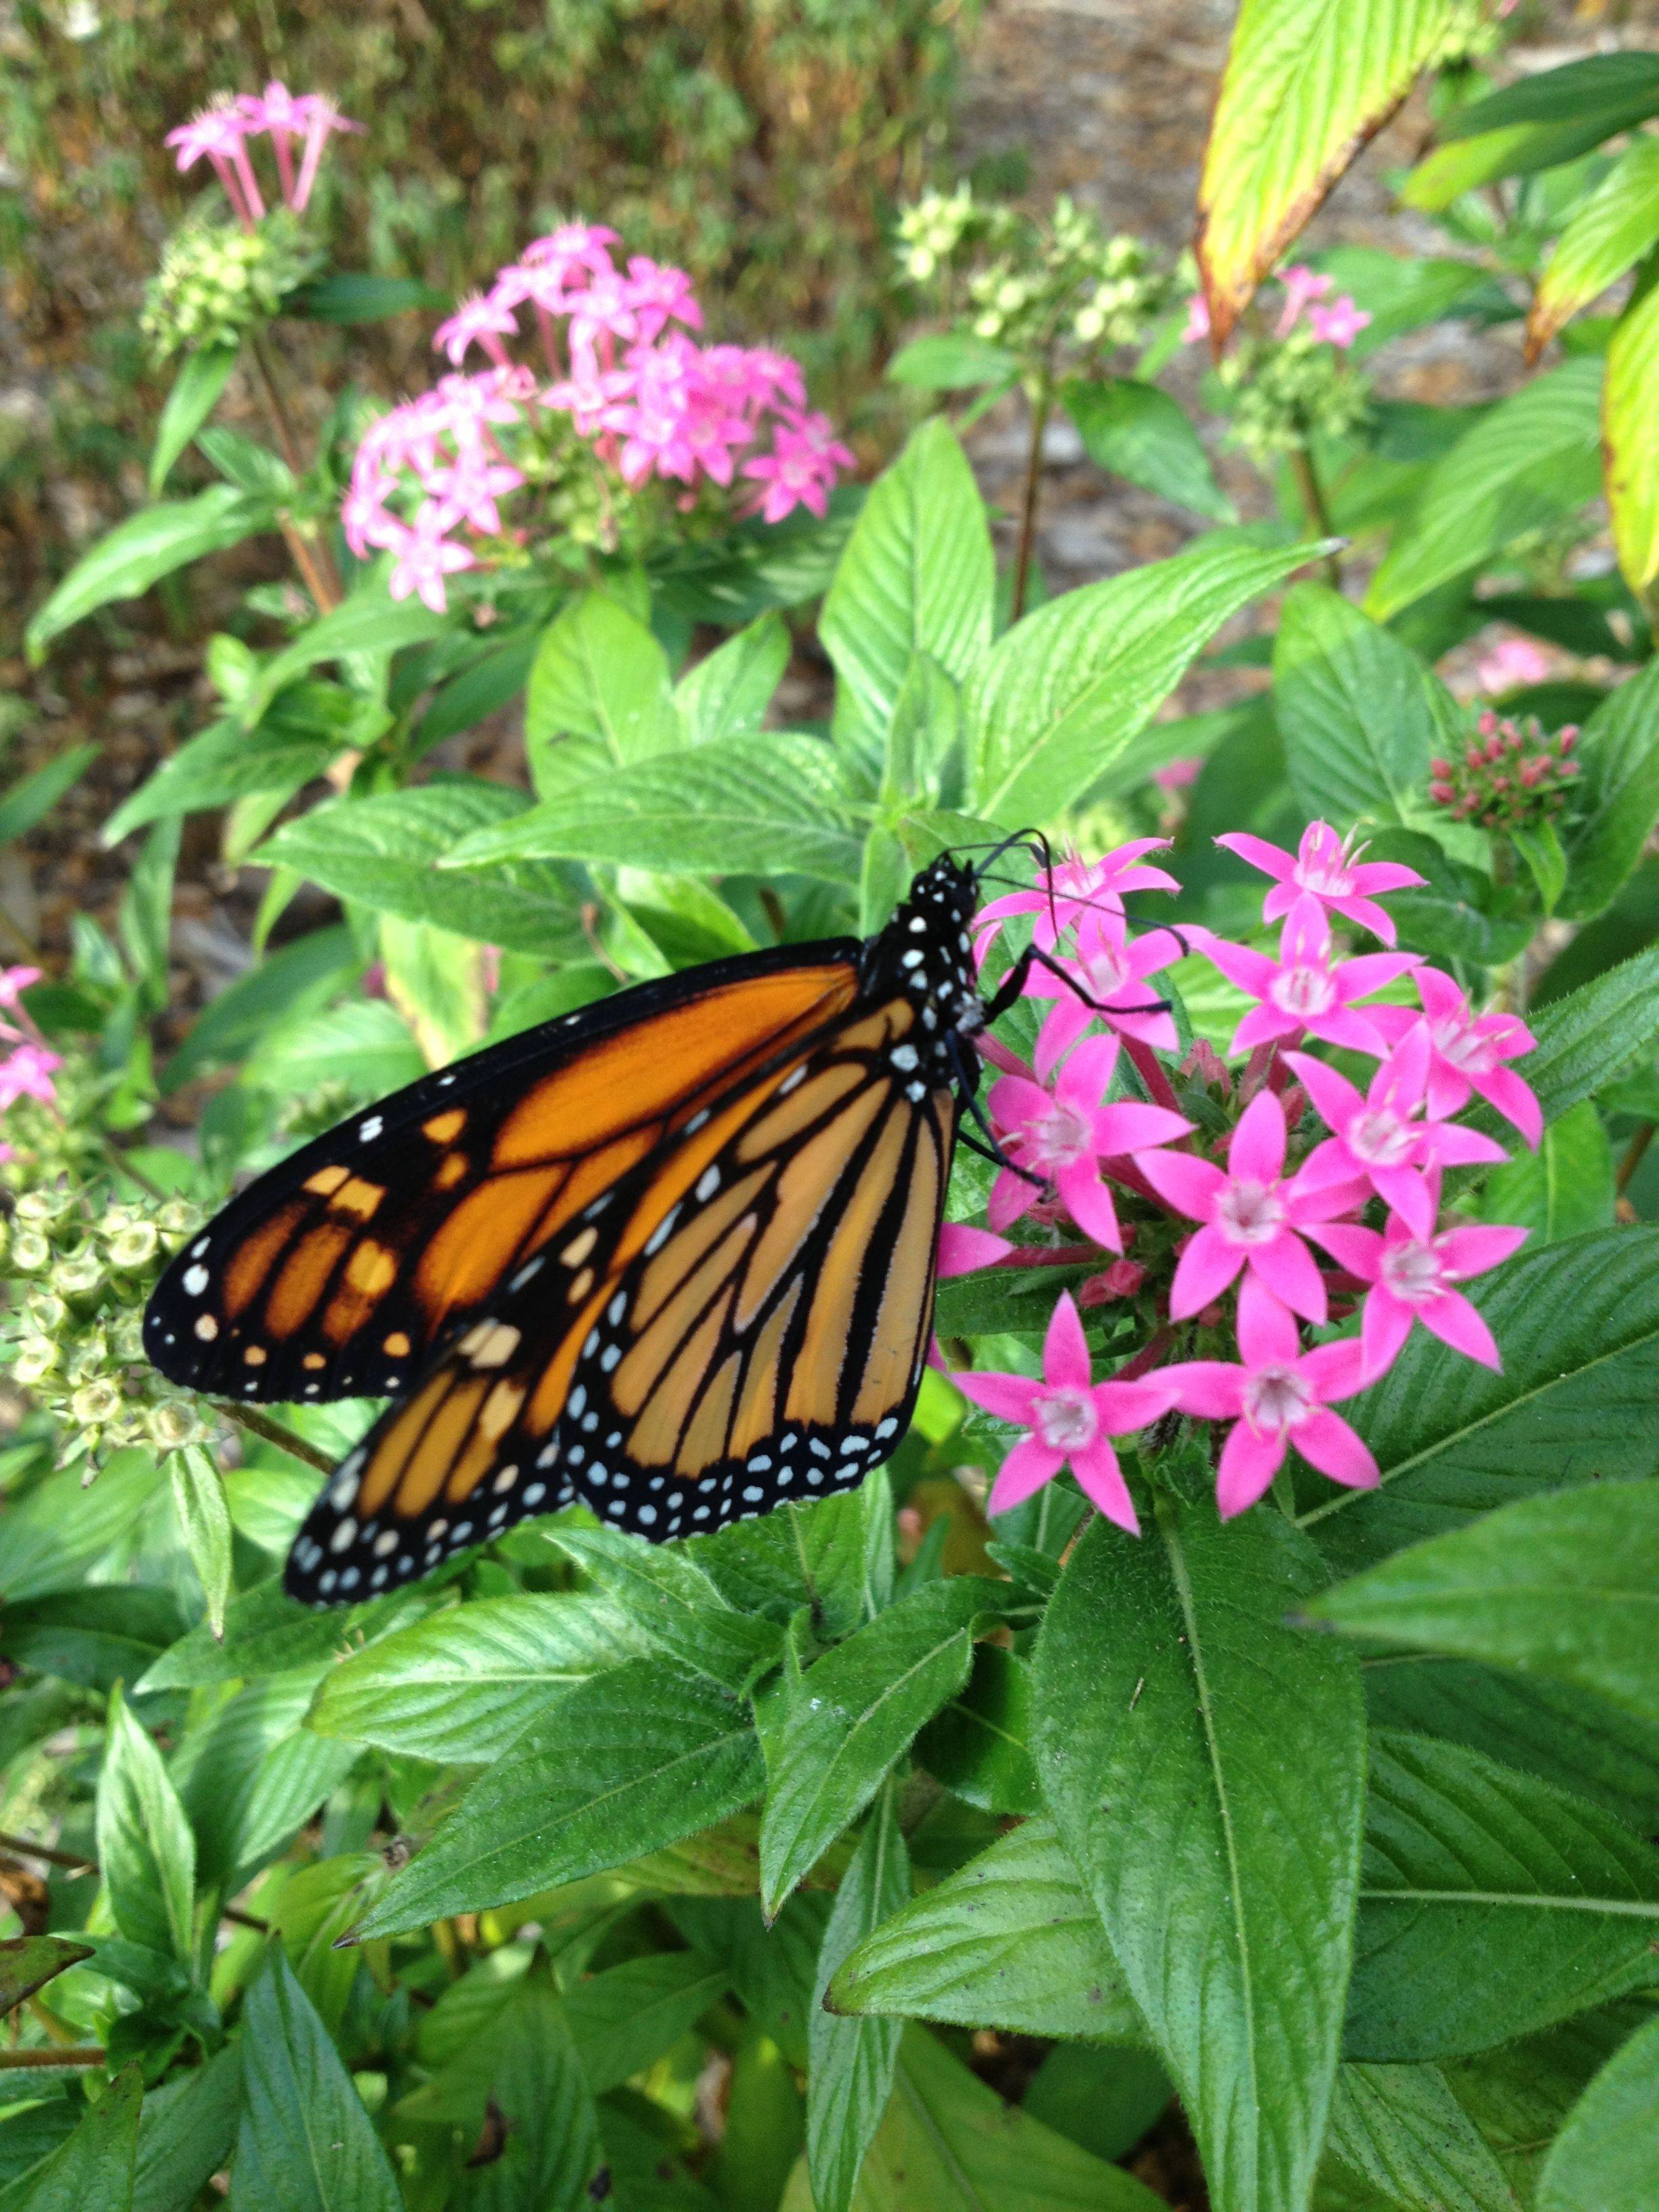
{"x":850,"y":2076}
{"x":1010,"y":1940}
{"x":1618,"y":799}
{"x":771,"y":804}
{"x":625,"y":1764}
{"x":91,"y":2171}
{"x":1205,"y":1765}
{"x":599,"y":697}
{"x":1400,"y":2131}
{"x":1535,"y":456}
{"x":1140,"y":432}
{"x":1491,"y":1904}
{"x":305,"y":2143}
{"x":1307,"y":83}
{"x":1535,"y":124}
{"x":1629,"y":411}
{"x":727,"y":693}
{"x":1577,"y":1324}
{"x":672,"y":1606}
{"x":145,"y":1848}
{"x":1563,"y":1584}
{"x":195,"y":393}
{"x":1608,"y":235}
{"x":916,"y":577}
{"x":1563,"y":1189}
{"x":27,"y":1963}
{"x":369,"y":621}
{"x":146,"y":547}
{"x":1605,"y":2156}
{"x":1066,"y":690}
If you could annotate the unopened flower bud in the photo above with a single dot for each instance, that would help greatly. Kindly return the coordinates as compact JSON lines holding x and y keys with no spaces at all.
{"x":36,"y":1358}
{"x":133,"y":1246}
{"x":31,"y":1255}
{"x":174,"y":1425}
{"x":96,"y":1403}
{"x":78,"y":1273}
{"x":1120,"y":1280}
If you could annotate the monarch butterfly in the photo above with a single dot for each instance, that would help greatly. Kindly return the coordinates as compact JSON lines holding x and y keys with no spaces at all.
{"x":672,"y":1255}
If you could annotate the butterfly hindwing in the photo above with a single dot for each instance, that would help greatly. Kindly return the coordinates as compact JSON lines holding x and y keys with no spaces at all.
{"x":741,"y":1318}
{"x":337,"y":1273}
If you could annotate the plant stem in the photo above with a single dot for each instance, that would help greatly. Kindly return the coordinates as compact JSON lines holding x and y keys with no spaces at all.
{"x":1311,"y":493}
{"x":1146,"y":1065}
{"x":1042,"y":401}
{"x":52,"y":1856}
{"x":1635,"y":1153}
{"x":310,"y":555}
{"x":273,"y":1432}
{"x":122,"y":1165}
{"x":78,"y":2054}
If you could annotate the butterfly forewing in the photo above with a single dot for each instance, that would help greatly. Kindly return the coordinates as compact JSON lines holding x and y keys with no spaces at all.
{"x":741,"y":1322}
{"x":335,"y":1274}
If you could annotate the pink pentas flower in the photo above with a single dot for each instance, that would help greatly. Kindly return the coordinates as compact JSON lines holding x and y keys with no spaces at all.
{"x":1252,"y":1217}
{"x":13,"y":981}
{"x":572,"y":246}
{"x":1466,"y":1052}
{"x":1276,"y":1396}
{"x":1339,"y":323}
{"x":1413,"y":1279}
{"x":425,"y":556}
{"x":1073,"y":888}
{"x":323,"y":119}
{"x":27,"y":1073}
{"x":477,"y":322}
{"x":1061,"y":1135}
{"x":800,"y":469}
{"x":1301,"y":286}
{"x":1106,"y":977}
{"x":964,"y":1250}
{"x":1179,"y":775}
{"x":1197,"y":325}
{"x":1305,"y":991}
{"x":660,"y":294}
{"x":1326,"y":868}
{"x":1071,"y":1418}
{"x":1383,"y":1137}
{"x":219,"y":134}
{"x":1512,"y":661}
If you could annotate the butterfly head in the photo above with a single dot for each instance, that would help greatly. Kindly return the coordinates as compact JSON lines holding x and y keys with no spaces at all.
{"x":926,"y":954}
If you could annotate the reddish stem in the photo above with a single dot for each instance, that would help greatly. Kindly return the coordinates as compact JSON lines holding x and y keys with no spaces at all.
{"x":1147,"y":1358}
{"x":1150,"y":1069}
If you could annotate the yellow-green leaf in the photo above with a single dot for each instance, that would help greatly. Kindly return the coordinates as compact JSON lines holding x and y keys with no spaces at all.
{"x":1615,"y":227}
{"x":1630,"y":434}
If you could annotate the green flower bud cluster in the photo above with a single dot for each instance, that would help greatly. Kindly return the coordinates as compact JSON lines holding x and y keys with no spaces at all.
{"x":79,"y":1273}
{"x":1029,"y":285}
{"x":1472,"y":33}
{"x":216,"y":280}
{"x":1289,"y":390}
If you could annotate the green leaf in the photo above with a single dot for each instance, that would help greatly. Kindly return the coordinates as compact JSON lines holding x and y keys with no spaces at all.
{"x":1520,"y":2094}
{"x":1204,"y":1766}
{"x":952,"y":361}
{"x":600,"y":696}
{"x":949,"y":2144}
{"x":1360,"y":715}
{"x":1400,"y":2131}
{"x":1066,"y":690}
{"x":145,"y":1848}
{"x":849,"y":1717}
{"x":1103,"y":2096}
{"x":727,"y":693}
{"x":757,"y":566}
{"x":303,"y":729}
{"x":627,"y":2018}
{"x":1560,"y":1585}
{"x":369,"y":620}
{"x":27,"y":1963}
{"x":1536,"y":124}
{"x":301,"y":978}
{"x":266,"y":1632}
{"x":672,"y":1606}
{"x":186,"y":2134}
{"x":32,"y":796}
{"x":1618,"y":794}
{"x":97,"y":1637}
{"x":1577,"y":1324}
{"x":305,"y":2143}
{"x":1140,"y":432}
{"x":247,"y":465}
{"x":550,"y":2159}
{"x":250,"y":1777}
{"x":825,"y":1556}
{"x":383,"y":851}
{"x":979,"y":1747}
{"x":146,"y":547}
{"x":1561,"y":1733}
{"x":1608,"y":233}
{"x":1605,"y":2156}
{"x":351,"y":295}
{"x":1307,"y":83}
{"x":1491,"y":1904}
{"x":850,"y":2076}
{"x":1535,"y":456}
{"x":194,"y":395}
{"x":1010,"y":1941}
{"x":917,"y":577}
{"x":625,"y":1764}
{"x":1629,"y":409}
{"x":1450,"y":917}
{"x":463,"y":1685}
{"x":1563,"y":1188}
{"x":767,"y":805}
{"x":92,"y":2170}
{"x":198,"y":1499}
{"x":50,"y":1538}
{"x":1591,"y":1037}
{"x":365,"y":1044}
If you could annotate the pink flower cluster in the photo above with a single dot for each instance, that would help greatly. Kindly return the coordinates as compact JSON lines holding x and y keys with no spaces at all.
{"x":221,"y":133}
{"x":27,"y":1070}
{"x":614,"y":354}
{"x":1319,"y":1203}
{"x":1337,"y":322}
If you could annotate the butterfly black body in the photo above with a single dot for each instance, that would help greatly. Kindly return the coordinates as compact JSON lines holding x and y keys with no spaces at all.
{"x":672,"y":1255}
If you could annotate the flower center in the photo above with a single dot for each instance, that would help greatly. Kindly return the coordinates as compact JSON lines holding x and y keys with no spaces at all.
{"x":1105,"y":971}
{"x":1325,"y":877}
{"x":1066,"y":1420}
{"x":1063,"y":1136}
{"x":1458,"y":1043}
{"x":1276,"y":1398}
{"x":1304,"y":991}
{"x":1249,"y":1212}
{"x":1414,"y":1273}
{"x":1381,"y":1139}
